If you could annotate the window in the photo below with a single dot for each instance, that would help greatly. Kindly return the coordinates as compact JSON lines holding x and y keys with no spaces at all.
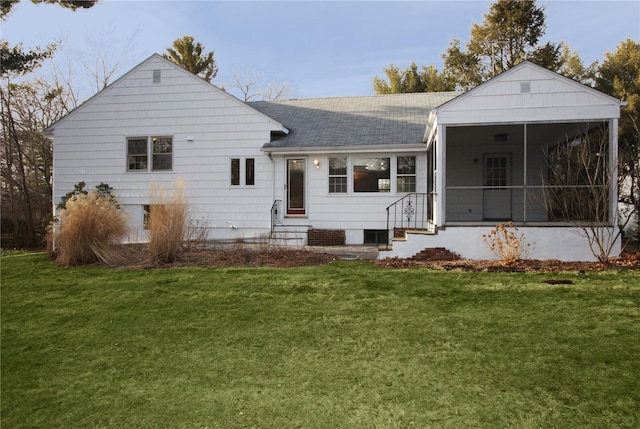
{"x":406,"y":174}
{"x":157,"y":76}
{"x":249,"y":172}
{"x":496,"y":172}
{"x":146,"y":216}
{"x":376,"y":236}
{"x":138,"y":153}
{"x":337,"y":175}
{"x":162,"y":148}
{"x":235,"y":172}
{"x":371,"y":175}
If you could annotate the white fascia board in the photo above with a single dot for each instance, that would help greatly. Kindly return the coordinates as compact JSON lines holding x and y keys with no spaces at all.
{"x":432,"y":127}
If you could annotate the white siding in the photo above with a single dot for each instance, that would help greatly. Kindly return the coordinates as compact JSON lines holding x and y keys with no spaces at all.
{"x":208,"y":126}
{"x":352,"y":212}
{"x":551,"y":98}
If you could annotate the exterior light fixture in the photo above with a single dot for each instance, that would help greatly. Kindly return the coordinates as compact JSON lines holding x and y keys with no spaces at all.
{"x":316,"y":163}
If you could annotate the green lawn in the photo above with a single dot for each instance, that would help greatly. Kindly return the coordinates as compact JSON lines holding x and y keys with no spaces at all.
{"x":346,"y":345}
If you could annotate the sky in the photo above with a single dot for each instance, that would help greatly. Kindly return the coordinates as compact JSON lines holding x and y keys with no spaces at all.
{"x":319,"y":48}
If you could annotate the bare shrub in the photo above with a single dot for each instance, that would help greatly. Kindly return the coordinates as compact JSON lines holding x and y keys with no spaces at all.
{"x":89,"y":230}
{"x":171,"y":231}
{"x":578,"y":189}
{"x":504,"y":242}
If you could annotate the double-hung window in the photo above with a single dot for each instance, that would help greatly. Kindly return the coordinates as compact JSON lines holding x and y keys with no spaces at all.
{"x":337,"y":175}
{"x":150,"y":153}
{"x":406,"y":174}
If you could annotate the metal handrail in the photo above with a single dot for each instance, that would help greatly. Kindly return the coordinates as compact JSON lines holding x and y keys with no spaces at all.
{"x":414,"y":212}
{"x":275,"y":214}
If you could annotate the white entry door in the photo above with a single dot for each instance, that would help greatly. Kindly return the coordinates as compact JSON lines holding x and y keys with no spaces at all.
{"x":497,"y":194}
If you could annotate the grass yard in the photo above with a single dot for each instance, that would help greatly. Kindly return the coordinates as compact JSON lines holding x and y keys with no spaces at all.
{"x":345,"y":345}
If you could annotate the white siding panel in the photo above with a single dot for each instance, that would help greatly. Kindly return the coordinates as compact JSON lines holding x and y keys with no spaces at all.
{"x":90,"y":146}
{"x":552,"y":98}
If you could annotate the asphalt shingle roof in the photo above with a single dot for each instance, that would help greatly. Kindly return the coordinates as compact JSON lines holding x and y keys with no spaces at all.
{"x":353,"y":121}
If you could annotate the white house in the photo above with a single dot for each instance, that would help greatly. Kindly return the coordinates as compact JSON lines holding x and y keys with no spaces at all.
{"x":444,"y":167}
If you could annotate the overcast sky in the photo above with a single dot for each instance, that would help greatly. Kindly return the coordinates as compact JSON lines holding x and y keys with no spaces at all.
{"x":321,"y":49}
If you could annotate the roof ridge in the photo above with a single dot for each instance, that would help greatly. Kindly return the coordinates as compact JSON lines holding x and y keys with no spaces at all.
{"x":351,"y":97}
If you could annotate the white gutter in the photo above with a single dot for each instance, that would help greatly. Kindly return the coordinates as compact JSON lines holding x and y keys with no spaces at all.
{"x":344,"y":149}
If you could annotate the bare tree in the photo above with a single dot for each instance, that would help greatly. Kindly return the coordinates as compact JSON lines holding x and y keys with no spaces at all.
{"x":252,"y":86}
{"x":577,"y":187}
{"x":26,"y":164}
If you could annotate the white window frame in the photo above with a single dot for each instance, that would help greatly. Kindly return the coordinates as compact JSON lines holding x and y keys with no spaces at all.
{"x":149,"y":154}
{"x":389,"y":185}
{"x":407,"y":175}
{"x":243,"y":162}
{"x":344,"y":176}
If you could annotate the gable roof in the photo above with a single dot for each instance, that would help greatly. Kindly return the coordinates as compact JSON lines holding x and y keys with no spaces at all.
{"x":528,"y":92}
{"x":344,"y":122}
{"x":207,"y":86}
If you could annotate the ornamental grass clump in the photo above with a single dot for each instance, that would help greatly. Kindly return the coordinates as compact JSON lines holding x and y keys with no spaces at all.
{"x":90,"y":229}
{"x":504,"y":242}
{"x":168,"y":223}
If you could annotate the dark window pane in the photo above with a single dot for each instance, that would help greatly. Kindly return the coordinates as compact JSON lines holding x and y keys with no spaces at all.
{"x":137,"y":154}
{"x":249,"y":172}
{"x":406,"y":165}
{"x":337,"y":166}
{"x":371,"y":175}
{"x":235,"y":172}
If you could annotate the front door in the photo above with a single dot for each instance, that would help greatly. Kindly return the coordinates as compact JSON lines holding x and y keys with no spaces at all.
{"x":296,"y":186}
{"x":497,"y":194}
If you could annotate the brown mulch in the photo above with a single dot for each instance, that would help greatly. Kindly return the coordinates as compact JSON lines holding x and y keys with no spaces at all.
{"x":234,"y":257}
{"x":239,"y":256}
{"x":525,"y":265}
{"x":630,"y":258}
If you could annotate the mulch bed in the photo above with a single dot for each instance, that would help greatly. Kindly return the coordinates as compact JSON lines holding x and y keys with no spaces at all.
{"x":238,"y":256}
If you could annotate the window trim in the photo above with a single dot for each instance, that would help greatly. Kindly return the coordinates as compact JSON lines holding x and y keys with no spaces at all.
{"x":392,"y":168}
{"x":386,"y":189}
{"x":344,"y":176}
{"x":244,"y":172}
{"x":149,"y":153}
{"x":406,"y":175}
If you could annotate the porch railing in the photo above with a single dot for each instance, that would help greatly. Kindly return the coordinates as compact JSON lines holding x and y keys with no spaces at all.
{"x":413,"y":211}
{"x":276,"y":216}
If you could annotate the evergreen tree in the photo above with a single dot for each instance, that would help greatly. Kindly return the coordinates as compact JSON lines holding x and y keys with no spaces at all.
{"x":411,"y":79}
{"x":190,"y":55}
{"x":508,"y":35}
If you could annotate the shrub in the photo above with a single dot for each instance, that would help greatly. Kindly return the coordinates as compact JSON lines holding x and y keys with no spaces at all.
{"x":504,"y":242}
{"x":89,"y":229}
{"x":168,"y":219}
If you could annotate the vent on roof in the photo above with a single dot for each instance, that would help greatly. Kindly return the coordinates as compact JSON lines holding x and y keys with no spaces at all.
{"x":525,"y":86}
{"x":157,"y":76}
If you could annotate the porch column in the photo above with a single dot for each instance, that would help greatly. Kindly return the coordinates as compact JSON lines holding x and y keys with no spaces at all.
{"x":613,"y":171}
{"x":441,"y":174}
{"x":524,"y":174}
